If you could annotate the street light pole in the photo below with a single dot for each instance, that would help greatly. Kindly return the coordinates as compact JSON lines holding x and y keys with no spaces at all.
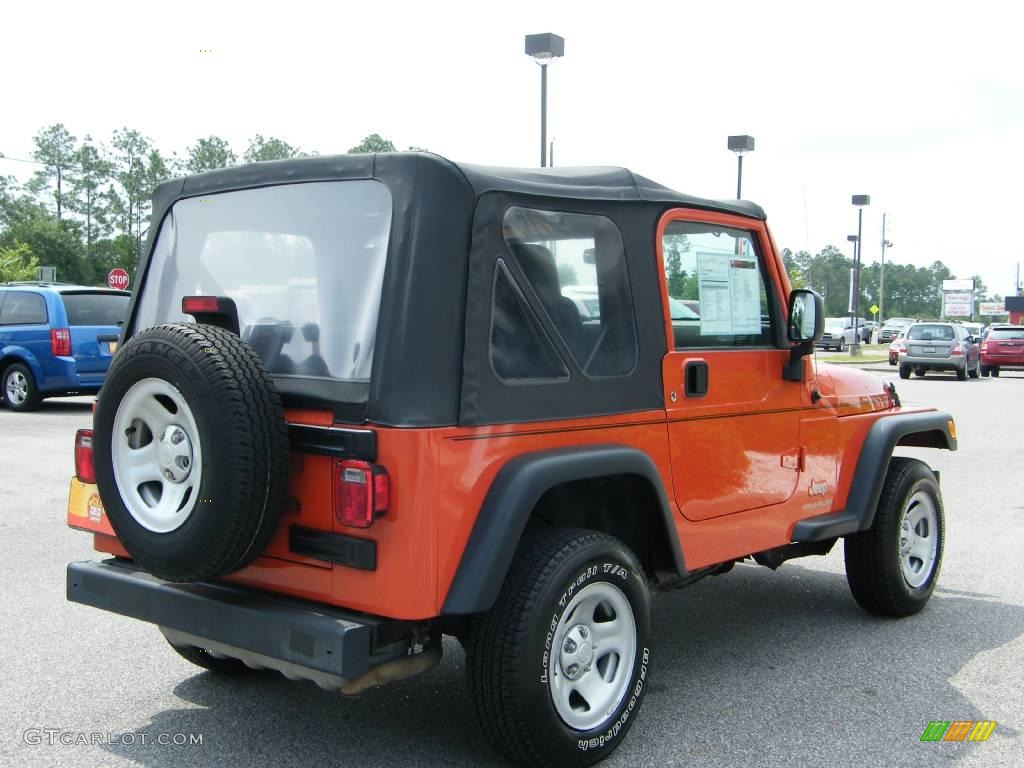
{"x":739,"y":145}
{"x":544,"y":48}
{"x":881,"y":276}
{"x":860,"y":201}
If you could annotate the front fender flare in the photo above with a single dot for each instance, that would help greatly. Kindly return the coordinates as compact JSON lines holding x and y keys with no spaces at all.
{"x":511,"y":499}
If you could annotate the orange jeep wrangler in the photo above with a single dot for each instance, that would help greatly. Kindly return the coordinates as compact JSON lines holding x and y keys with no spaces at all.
{"x":362,"y":402}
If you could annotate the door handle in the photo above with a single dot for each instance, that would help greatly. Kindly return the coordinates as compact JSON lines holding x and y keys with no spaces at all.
{"x":695,"y":378}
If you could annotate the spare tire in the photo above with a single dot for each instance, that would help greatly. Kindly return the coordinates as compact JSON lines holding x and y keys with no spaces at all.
{"x":190,"y":447}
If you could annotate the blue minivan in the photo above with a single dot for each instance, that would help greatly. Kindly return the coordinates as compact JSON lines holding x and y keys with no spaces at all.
{"x":56,"y":340}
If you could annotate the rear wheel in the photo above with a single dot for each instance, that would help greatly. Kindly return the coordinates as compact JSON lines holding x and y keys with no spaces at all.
{"x":904,"y":371}
{"x":222,"y":665}
{"x":558,"y":667}
{"x":975,"y":371}
{"x":995,"y":372}
{"x":961,"y":373}
{"x":19,"y":388}
{"x":841,"y":346}
{"x":984,"y":371}
{"x":892,"y":567}
{"x":920,"y":372}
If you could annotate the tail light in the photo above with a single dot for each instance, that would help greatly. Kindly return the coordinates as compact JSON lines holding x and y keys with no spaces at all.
{"x":60,"y":342}
{"x":901,"y":348}
{"x":84,"y":468}
{"x":984,"y":346}
{"x":362,"y":493}
{"x":957,"y":349}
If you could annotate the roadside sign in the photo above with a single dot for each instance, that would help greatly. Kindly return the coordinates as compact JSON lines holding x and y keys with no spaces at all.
{"x":118,"y":278}
{"x":992,"y":308}
{"x":958,"y":285}
{"x":957,"y":304}
{"x":873,"y":309}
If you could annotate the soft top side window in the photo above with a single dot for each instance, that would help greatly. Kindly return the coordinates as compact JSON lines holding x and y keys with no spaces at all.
{"x":574,"y":265}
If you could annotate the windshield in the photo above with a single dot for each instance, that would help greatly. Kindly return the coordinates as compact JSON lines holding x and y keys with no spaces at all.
{"x":95,"y":308}
{"x":930,"y":333}
{"x":837,"y":323}
{"x":304,"y":264}
{"x":680,"y":311}
{"x":1007,"y":333}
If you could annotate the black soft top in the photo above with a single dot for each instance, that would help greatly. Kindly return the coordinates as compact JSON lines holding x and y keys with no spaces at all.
{"x":581,"y":183}
{"x":430,"y":361}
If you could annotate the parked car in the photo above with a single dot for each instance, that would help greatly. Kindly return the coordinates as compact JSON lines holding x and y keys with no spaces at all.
{"x":1003,"y":347}
{"x":56,"y":340}
{"x":896,"y":347}
{"x":893,"y":327}
{"x":450,"y":448}
{"x":940,"y":346}
{"x":838,"y":333}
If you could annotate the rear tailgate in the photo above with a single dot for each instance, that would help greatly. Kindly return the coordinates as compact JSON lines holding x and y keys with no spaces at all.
{"x":93,"y":319}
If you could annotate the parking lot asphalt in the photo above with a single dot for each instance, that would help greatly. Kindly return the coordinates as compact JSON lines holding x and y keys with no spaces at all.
{"x":751,"y":668}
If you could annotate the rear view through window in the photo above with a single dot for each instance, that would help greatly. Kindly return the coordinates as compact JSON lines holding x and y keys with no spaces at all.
{"x":95,"y":308}
{"x":304,"y":264}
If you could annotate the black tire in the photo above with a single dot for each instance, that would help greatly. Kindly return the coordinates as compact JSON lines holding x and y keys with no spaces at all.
{"x":975,"y":372}
{"x":873,"y":568}
{"x":904,"y":371}
{"x":984,"y":371}
{"x":202,"y":658}
{"x":17,"y":374}
{"x":961,"y":373}
{"x":920,"y":372}
{"x":238,"y":417}
{"x":509,"y":648}
{"x":892,"y":363}
{"x":995,"y":372}
{"x":841,"y":346}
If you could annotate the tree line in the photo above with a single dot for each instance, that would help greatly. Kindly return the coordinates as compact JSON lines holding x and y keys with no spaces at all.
{"x":86,"y":209}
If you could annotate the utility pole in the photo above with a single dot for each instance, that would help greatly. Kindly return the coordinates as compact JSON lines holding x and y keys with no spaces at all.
{"x":881,"y":275}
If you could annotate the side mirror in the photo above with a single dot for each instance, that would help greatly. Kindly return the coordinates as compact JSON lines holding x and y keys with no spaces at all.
{"x":806,"y":316}
{"x":806,"y":324}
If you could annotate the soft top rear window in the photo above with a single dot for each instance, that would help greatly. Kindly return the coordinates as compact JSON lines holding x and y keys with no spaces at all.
{"x":99,"y":308}
{"x":304,"y":264}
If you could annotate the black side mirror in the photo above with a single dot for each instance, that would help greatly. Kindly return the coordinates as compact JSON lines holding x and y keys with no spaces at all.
{"x":806,"y":316}
{"x":806,"y":324}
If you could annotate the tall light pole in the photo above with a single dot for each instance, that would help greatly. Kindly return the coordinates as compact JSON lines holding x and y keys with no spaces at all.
{"x":855,"y":241}
{"x":881,"y":275}
{"x":739,"y":145}
{"x":544,"y":48}
{"x":860,"y":201}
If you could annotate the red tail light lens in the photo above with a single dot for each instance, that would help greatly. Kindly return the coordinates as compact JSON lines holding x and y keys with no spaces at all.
{"x":957,"y":349}
{"x":190,"y":305}
{"x":60,"y":342}
{"x":84,"y":468}
{"x":984,"y":346}
{"x":362,"y":493}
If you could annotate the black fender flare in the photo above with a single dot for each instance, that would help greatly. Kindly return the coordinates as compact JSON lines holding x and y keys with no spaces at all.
{"x":927,"y":429}
{"x":514,"y":493}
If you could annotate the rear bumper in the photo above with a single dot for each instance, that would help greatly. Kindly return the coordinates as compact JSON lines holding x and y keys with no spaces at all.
{"x":934,"y":363}
{"x":308,"y":635}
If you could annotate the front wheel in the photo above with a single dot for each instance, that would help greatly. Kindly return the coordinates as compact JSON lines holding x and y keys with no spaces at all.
{"x":558,"y":667}
{"x":892,"y":567}
{"x":841,"y":347}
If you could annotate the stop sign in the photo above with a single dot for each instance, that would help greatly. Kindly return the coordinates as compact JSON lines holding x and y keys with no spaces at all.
{"x":118,"y":278}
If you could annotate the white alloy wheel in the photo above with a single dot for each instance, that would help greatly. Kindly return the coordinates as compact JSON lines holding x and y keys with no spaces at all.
{"x":592,"y":656}
{"x":919,"y":539}
{"x":157,"y":455}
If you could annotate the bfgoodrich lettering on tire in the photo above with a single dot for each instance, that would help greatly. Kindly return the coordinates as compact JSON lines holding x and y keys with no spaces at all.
{"x":893,"y":566}
{"x":559,"y":666}
{"x":191,"y":451}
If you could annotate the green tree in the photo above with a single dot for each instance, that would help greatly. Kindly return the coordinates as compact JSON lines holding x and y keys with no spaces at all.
{"x":55,"y":244}
{"x":85,"y":191}
{"x":129,"y":171}
{"x":17,"y":263}
{"x":372,"y":143}
{"x":261,"y":149}
{"x":55,"y":149}
{"x":672,"y":248}
{"x":209,"y":154}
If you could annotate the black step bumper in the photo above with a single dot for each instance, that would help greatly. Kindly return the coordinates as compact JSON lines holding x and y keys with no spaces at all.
{"x":308,"y":634}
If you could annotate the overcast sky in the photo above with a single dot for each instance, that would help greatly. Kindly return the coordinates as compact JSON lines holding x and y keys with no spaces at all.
{"x":919,"y":105}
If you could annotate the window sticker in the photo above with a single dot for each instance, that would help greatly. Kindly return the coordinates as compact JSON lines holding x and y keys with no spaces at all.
{"x":729,"y":294}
